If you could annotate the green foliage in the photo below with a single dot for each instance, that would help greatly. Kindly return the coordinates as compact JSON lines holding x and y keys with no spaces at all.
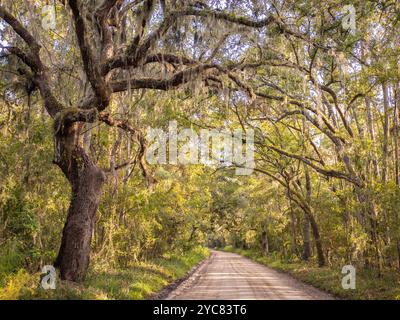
{"x":11,"y":258}
{"x":139,"y":281}
{"x":370,"y":285}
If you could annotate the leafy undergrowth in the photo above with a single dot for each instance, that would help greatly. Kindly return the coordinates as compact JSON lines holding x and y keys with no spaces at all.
{"x":139,"y":281}
{"x":369,"y":285}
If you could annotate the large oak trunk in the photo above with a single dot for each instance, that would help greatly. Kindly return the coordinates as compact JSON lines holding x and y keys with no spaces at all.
{"x":86,"y":181}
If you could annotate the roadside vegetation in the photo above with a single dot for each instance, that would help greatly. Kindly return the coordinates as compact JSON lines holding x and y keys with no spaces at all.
{"x":139,"y":280}
{"x":369,"y":284}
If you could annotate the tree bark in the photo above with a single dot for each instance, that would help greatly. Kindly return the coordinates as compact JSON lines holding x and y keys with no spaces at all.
{"x":317,"y":239}
{"x":306,"y":223}
{"x":306,"y":239}
{"x":264,"y":243}
{"x":86,"y":180}
{"x":314,"y":226}
{"x":293,"y":230}
{"x":385,"y":149}
{"x":396,"y":144}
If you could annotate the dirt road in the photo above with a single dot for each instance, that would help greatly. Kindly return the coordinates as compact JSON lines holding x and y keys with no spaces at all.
{"x":228,"y":276}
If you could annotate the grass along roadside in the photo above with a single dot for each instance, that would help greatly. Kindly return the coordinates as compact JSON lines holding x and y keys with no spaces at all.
{"x":368,"y":284}
{"x":139,"y":281}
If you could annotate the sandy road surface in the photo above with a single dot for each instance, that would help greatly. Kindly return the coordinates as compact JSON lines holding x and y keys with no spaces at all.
{"x":228,"y":276}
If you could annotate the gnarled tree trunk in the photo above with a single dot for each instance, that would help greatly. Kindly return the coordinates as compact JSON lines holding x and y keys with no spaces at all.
{"x":86,"y":181}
